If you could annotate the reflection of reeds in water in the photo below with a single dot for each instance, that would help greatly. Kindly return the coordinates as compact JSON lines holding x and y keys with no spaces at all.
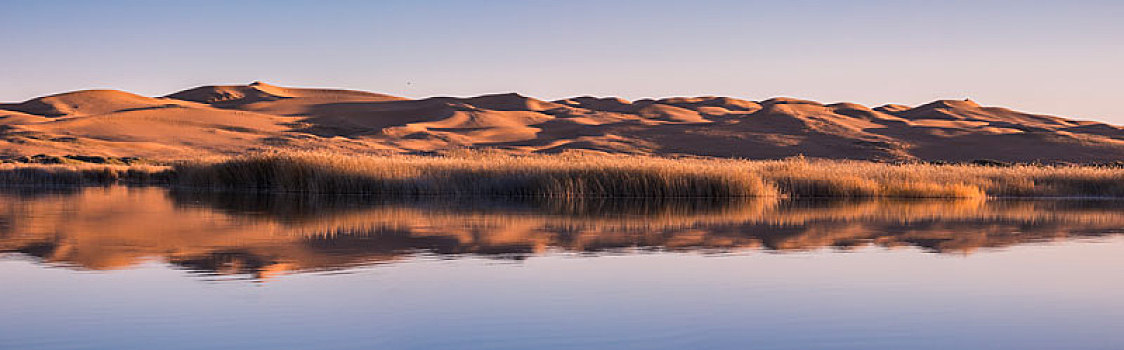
{"x":942,"y":225}
{"x":352,"y":213}
{"x":232,"y":233}
{"x":336,"y":210}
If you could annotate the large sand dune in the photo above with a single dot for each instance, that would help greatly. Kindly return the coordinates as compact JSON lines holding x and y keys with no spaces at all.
{"x":223,"y":120}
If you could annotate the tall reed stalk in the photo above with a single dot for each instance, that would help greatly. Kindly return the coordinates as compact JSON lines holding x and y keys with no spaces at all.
{"x":588,"y":176}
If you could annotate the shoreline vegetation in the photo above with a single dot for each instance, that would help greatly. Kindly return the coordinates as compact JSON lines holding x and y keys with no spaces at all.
{"x":576,"y":176}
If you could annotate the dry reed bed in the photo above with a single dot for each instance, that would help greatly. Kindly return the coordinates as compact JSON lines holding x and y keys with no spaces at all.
{"x":478,"y":174}
{"x":82,"y":174}
{"x":572,"y":176}
{"x":580,"y":176}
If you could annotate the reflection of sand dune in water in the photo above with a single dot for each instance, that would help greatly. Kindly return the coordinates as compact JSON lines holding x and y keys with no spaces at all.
{"x":117,"y":227}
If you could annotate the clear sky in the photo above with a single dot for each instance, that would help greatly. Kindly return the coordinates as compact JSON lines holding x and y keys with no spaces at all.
{"x":1057,"y":57}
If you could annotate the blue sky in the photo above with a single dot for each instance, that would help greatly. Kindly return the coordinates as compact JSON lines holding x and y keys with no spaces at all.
{"x":1058,"y":57}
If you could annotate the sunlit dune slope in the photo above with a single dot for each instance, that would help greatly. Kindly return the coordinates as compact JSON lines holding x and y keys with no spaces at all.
{"x":233,"y":119}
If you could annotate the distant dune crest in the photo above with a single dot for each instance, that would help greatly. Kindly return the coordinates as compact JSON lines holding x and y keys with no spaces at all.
{"x":234,"y":119}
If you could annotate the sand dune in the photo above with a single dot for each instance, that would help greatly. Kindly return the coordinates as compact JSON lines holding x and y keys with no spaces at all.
{"x":222,"y":120}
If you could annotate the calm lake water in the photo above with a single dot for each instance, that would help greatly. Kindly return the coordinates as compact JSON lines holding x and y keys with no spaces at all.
{"x":129,"y":268}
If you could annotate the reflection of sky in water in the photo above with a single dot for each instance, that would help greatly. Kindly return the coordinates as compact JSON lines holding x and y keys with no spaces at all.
{"x":1034,"y":292}
{"x":1028,"y":297}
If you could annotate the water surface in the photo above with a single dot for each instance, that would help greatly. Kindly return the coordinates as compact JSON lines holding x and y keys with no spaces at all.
{"x":123,"y":268}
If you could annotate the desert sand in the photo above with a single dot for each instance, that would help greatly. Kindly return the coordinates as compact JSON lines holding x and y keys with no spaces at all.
{"x":225,"y":120}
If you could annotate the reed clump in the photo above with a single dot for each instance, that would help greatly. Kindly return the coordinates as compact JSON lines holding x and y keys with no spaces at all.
{"x":868,"y":179}
{"x":477,"y":174}
{"x":620,"y":176}
{"x":578,"y":175}
{"x":82,"y":174}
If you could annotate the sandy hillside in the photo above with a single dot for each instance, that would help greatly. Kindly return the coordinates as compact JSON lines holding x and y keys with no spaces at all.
{"x":220,"y":120}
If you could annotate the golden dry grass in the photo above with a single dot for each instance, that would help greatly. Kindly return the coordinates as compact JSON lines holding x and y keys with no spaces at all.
{"x":82,"y":174}
{"x":867,"y":179}
{"x":575,"y":175}
{"x":478,"y":174}
{"x":584,"y":175}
